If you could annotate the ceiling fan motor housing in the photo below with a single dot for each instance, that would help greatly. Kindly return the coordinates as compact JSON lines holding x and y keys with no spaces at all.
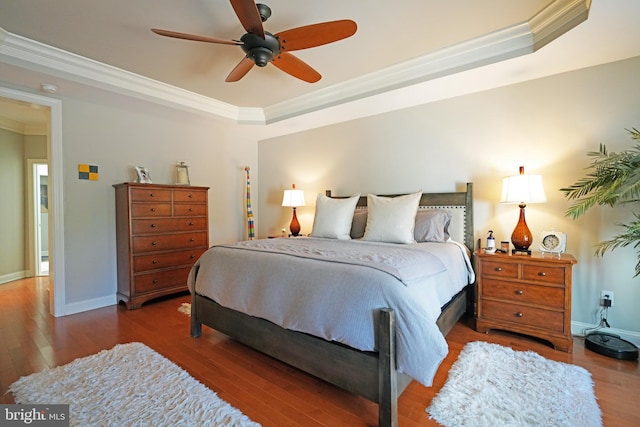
{"x":260,"y":50}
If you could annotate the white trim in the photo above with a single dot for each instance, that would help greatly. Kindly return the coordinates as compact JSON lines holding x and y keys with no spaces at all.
{"x":56,"y":200}
{"x":91,"y":304}
{"x":554,"y":20}
{"x":578,"y":328}
{"x":10,"y":277}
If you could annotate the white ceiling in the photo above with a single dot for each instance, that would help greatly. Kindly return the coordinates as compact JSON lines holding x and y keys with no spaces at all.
{"x":426,"y":37}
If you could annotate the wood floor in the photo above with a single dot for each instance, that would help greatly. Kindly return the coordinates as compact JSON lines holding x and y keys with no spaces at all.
{"x":266,"y":390}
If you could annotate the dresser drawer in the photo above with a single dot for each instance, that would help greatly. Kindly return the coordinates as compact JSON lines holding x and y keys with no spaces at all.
{"x":189,"y":210}
{"x":166,"y":259}
{"x":501,"y":269}
{"x":522,"y":315}
{"x":187,"y":195}
{"x":524,"y":293}
{"x":161,"y":280}
{"x":150,"y":209}
{"x":543,"y":273}
{"x":150,"y":195}
{"x":142,"y":244}
{"x":164,"y":225}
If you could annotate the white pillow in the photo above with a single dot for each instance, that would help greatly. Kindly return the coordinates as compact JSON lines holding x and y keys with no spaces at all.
{"x":333,"y":217}
{"x":392,"y":219}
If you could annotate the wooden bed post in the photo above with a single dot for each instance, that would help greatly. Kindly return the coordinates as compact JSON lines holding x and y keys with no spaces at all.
{"x":387,"y":374}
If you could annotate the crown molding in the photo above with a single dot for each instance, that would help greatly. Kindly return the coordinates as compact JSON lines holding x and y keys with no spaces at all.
{"x":520,"y":39}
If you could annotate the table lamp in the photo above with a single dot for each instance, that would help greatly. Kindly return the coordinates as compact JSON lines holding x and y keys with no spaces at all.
{"x":522,"y":189}
{"x":293,"y":198}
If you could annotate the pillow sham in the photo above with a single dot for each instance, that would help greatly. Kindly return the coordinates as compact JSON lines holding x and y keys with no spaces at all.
{"x":432,"y":225}
{"x":359,"y":223}
{"x":333,"y":217}
{"x":391,"y":219}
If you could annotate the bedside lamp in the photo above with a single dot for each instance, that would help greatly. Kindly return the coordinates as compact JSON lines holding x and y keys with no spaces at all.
{"x":293,"y":198}
{"x":522,"y":189}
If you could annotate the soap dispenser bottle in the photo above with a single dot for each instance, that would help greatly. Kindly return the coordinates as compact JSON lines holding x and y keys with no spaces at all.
{"x":491,"y":242}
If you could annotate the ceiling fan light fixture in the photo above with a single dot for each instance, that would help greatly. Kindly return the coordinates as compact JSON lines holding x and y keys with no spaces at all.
{"x":264,"y":11}
{"x":260,"y":55}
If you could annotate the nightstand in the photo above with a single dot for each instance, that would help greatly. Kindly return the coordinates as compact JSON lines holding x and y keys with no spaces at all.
{"x":526,"y":294}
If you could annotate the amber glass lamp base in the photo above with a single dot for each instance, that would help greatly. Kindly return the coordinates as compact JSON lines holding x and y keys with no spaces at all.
{"x":521,"y":236}
{"x":295,"y":225}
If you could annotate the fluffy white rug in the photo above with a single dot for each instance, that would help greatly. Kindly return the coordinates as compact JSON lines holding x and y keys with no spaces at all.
{"x":129,"y":385}
{"x":185,"y":308}
{"x":492,"y":385}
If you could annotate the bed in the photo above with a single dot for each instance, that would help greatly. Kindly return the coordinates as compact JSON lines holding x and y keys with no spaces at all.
{"x":369,"y":355}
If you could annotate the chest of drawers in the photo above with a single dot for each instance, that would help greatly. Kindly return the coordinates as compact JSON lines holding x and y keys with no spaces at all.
{"x":526,"y":294}
{"x":161,"y":230}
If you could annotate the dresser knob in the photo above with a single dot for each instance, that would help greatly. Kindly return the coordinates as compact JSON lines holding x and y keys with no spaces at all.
{"x":154,"y":243}
{"x":190,"y":209}
{"x":155,"y":281}
{"x":542,"y":274}
{"x":153,"y":226}
{"x":519,"y":314}
{"x":190,"y":196}
{"x":191,"y":223}
{"x":192,"y":256}
{"x":155,"y":261}
{"x":153,"y":209}
{"x":192,"y":239}
{"x":498,"y":269}
{"x":519,"y":292}
{"x":152,"y":195}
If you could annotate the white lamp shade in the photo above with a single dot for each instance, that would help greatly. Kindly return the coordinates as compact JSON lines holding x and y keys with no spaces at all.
{"x":523,"y":188}
{"x":293,"y":198}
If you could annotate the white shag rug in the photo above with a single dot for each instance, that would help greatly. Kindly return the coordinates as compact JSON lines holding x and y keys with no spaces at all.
{"x":129,"y":385}
{"x":492,"y":385}
{"x":185,"y":308}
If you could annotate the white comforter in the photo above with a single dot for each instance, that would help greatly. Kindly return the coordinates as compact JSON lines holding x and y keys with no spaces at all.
{"x":323,"y":293}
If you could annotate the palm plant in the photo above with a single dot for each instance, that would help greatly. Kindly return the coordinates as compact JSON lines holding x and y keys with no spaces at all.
{"x":614,"y":179}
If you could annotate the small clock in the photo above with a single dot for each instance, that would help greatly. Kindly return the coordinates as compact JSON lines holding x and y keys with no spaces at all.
{"x":553,"y":242}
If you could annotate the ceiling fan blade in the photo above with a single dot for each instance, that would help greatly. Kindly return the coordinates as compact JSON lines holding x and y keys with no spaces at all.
{"x":296,"y":67}
{"x":240,"y":70}
{"x":316,"y":34}
{"x":193,"y":37}
{"x":249,"y":17}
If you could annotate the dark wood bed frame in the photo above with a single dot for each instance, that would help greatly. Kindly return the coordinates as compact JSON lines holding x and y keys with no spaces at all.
{"x":372,"y":375}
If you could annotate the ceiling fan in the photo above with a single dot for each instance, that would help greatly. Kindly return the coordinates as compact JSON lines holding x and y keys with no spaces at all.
{"x":262,"y":47}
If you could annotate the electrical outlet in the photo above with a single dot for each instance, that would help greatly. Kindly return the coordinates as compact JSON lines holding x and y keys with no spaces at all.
{"x":604,"y":295}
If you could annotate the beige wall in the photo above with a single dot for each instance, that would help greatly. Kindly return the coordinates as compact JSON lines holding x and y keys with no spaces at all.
{"x":547,"y":125}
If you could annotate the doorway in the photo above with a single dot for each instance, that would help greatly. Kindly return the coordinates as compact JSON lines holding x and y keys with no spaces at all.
{"x":41,"y":216}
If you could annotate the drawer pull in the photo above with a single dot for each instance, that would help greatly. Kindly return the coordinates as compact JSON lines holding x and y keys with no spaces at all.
{"x":155,"y":281}
{"x":498,"y":269}
{"x":191,"y":223}
{"x":155,"y":261}
{"x":190,"y":209}
{"x":542,"y":274}
{"x":154,"y":243}
{"x":519,"y":292}
{"x":518,"y":314}
{"x":153,"y":226}
{"x":190,"y":196}
{"x":192,"y":239}
{"x":192,"y":256}
{"x":152,"y":195}
{"x":153,"y":209}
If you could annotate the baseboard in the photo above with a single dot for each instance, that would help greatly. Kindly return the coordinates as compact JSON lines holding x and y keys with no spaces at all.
{"x":578,"y":328}
{"x":92,"y":304}
{"x":5,"y":278}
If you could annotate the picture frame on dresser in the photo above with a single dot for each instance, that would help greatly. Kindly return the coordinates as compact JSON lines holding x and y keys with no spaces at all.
{"x":143,"y":175}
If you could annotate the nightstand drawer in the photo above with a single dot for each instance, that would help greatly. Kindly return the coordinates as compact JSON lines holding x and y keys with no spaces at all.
{"x":524,"y":293}
{"x":543,"y":273}
{"x":501,"y":269}
{"x":523,"y":315}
